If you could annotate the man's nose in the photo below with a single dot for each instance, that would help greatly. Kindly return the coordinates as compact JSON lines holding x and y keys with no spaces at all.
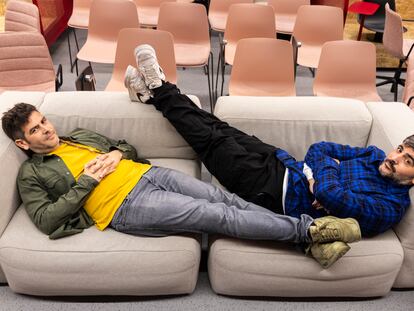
{"x":395,"y":158}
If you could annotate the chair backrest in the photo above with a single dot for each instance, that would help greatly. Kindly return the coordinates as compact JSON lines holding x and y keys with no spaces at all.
{"x":287,"y":7}
{"x":263,"y":67}
{"x":108,"y":17}
{"x":187,"y":22}
{"x":218,"y":11}
{"x":80,"y":14}
{"x":21,"y":16}
{"x":250,"y":21}
{"x":129,"y":39}
{"x":393,"y":33}
{"x":347,"y":62}
{"x":317,"y":24}
{"x":25,"y":62}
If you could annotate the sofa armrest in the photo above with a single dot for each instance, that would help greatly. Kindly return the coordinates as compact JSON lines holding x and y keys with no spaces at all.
{"x":392,"y":122}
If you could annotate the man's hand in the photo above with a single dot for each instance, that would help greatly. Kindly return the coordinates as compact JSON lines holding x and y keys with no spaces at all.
{"x":103,"y":165}
{"x":110,"y":160}
{"x":315,"y":204}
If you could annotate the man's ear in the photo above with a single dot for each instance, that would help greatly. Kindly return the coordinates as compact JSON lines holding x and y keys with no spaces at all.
{"x":21,"y":143}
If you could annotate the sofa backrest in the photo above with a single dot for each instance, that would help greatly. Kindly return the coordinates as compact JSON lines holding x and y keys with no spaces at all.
{"x":114,"y":115}
{"x":294,"y":123}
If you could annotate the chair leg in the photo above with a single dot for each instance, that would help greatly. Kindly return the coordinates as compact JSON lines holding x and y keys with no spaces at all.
{"x":210,"y":79}
{"x":73,"y":63}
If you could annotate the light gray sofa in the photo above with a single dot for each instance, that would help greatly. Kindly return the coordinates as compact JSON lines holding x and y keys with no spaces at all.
{"x":372,"y":266}
{"x":111,"y":263}
{"x":94,"y":262}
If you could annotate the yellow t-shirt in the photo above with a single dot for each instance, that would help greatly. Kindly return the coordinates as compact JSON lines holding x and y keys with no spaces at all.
{"x":106,"y":198}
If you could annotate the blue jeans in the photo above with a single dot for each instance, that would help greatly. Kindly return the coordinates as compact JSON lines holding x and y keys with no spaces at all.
{"x":166,"y":201}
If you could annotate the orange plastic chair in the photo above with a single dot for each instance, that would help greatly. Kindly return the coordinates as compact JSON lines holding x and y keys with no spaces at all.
{"x":128,"y":40}
{"x":397,"y":46}
{"x":347,"y":69}
{"x":270,"y":72}
{"x":315,"y":25}
{"x":286,"y":11}
{"x":244,"y":21}
{"x":188,"y":23}
{"x":148,"y":11}
{"x":78,"y":20}
{"x":21,"y":16}
{"x":26,"y":64}
{"x":106,"y":19}
{"x":218,"y":11}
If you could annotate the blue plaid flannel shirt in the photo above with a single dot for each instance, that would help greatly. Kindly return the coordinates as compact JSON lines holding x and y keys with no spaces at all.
{"x":354,"y":188}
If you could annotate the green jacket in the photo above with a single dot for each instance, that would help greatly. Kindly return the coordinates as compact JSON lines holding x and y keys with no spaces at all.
{"x":50,"y":193}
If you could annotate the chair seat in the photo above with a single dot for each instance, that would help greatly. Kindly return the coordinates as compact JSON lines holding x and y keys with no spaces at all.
{"x":308,"y":55}
{"x":191,"y":55}
{"x":218,"y":21}
{"x":148,"y":16}
{"x":285,"y":23}
{"x":98,"y":51}
{"x":79,"y":19}
{"x":230,"y":51}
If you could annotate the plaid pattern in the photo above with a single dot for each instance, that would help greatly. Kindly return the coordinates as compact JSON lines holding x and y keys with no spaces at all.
{"x":354,"y":188}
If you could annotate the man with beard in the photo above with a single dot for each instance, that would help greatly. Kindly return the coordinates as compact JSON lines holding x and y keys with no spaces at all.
{"x":333,"y":179}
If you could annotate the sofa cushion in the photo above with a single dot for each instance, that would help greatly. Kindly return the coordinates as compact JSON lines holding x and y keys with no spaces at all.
{"x":114,"y":115}
{"x":248,"y":268}
{"x":294,"y":123}
{"x":96,"y":263}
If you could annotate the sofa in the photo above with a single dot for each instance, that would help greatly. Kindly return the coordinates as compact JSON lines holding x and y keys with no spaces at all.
{"x":112,"y":263}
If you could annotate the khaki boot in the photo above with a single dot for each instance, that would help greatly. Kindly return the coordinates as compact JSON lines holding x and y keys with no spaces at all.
{"x":328,"y":253}
{"x":330,"y":228}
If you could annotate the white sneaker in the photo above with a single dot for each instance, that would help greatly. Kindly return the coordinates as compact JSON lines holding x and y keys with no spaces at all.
{"x":134,"y":82}
{"x":148,"y":66}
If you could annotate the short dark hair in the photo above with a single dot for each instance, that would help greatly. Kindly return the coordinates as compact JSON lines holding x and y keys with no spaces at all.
{"x":409,"y":141}
{"x":15,"y":118}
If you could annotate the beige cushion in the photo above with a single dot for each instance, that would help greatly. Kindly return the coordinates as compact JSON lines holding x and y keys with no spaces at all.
{"x":392,"y":122}
{"x":96,"y":263}
{"x":294,"y":123}
{"x":114,"y":115}
{"x":247,"y":268}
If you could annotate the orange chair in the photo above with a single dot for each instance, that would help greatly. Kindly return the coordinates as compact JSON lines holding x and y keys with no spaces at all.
{"x":218,"y":11}
{"x":315,"y":25}
{"x":21,"y":16}
{"x":269,"y":73}
{"x":26,"y":64}
{"x":128,"y":40}
{"x":397,"y":46}
{"x":286,"y":11}
{"x":244,"y":21}
{"x":347,"y":69}
{"x":188,"y":23}
{"x":106,"y":19}
{"x":78,"y":20}
{"x":148,"y":11}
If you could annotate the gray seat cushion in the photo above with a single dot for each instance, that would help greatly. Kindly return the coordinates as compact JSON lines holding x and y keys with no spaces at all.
{"x":248,"y":268}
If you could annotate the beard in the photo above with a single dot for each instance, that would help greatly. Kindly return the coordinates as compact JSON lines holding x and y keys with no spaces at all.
{"x":387,"y":170}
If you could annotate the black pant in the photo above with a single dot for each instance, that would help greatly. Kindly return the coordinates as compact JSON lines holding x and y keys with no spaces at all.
{"x":242,"y":163}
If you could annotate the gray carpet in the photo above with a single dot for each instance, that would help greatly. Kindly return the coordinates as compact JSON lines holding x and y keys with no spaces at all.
{"x":192,"y":81}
